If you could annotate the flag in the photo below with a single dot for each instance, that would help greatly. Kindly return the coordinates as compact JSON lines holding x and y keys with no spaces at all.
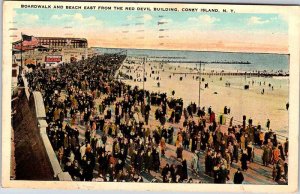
{"x":26,"y":37}
{"x":20,"y":47}
{"x":29,"y":40}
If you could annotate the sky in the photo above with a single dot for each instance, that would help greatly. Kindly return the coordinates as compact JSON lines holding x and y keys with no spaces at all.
{"x":239,"y":32}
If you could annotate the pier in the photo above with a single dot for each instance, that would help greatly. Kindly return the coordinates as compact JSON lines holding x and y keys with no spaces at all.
{"x":246,"y":74}
{"x":204,"y":62}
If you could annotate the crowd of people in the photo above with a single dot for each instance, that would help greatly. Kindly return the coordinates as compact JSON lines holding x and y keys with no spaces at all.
{"x":102,"y":129}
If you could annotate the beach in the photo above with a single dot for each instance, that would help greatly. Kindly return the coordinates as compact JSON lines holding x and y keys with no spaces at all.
{"x":252,"y":103}
{"x":105,"y":124}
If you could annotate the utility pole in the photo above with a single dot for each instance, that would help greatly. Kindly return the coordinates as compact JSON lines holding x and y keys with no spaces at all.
{"x":199,"y":81}
{"x":144,"y":70}
{"x":21,"y":67}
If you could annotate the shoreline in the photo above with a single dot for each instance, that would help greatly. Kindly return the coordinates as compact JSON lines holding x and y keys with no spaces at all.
{"x":211,"y":67}
{"x":217,"y":94}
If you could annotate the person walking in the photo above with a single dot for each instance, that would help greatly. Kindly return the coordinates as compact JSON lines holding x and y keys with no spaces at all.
{"x":244,"y":160}
{"x":194,"y":163}
{"x":268,"y":123}
{"x":179,"y":151}
{"x":238,"y":177}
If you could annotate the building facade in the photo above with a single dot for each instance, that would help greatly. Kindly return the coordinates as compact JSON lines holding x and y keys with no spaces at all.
{"x":60,"y":42}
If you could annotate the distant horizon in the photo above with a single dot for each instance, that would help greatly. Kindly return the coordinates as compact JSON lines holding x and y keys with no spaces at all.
{"x":160,"y":49}
{"x":269,"y":62}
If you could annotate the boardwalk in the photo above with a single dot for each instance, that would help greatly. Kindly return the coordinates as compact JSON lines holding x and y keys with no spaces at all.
{"x":256,"y":173}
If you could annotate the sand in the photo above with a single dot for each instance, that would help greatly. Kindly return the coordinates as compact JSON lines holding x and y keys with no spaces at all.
{"x":271,"y":105}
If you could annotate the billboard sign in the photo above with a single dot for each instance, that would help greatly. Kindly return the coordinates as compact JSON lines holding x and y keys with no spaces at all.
{"x":53,"y":58}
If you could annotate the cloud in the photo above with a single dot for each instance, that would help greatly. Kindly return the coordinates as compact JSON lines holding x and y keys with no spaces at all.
{"x":14,"y":13}
{"x":166,"y":20}
{"x":204,"y":19}
{"x":256,"y":21}
{"x":147,"y":17}
{"x":30,"y":17}
{"x":77,"y":19}
{"x":144,"y":18}
{"x":284,"y":17}
{"x":25,"y":18}
{"x":274,"y":18}
{"x":129,"y":17}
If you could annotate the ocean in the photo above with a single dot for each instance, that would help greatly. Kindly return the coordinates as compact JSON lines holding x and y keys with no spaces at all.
{"x":258,"y":61}
{"x":271,"y":104}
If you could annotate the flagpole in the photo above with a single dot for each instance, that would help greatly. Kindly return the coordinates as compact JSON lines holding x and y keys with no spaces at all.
{"x":21,"y":68}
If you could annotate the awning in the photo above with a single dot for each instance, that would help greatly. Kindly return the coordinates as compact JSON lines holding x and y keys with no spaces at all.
{"x":30,"y":63}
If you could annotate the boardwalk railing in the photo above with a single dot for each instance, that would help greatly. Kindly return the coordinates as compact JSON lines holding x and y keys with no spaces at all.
{"x":42,"y":125}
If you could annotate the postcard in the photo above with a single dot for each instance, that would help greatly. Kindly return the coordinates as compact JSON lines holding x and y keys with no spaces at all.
{"x":150,"y":96}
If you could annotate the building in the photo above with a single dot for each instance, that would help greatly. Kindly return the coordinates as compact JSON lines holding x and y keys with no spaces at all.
{"x":55,"y":43}
{"x":50,"y":50}
{"x":59,"y":42}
